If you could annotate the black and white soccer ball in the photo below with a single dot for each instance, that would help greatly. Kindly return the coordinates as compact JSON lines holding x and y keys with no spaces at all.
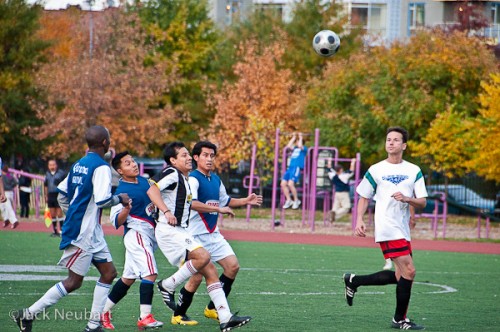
{"x":326,"y":43}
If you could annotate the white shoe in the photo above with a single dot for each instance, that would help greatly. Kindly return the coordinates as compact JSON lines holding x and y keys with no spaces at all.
{"x":388,"y":264}
{"x":296,"y":204}
{"x":288,"y":204}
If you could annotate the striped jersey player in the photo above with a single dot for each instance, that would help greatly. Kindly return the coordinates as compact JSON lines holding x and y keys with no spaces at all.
{"x":172,"y":195}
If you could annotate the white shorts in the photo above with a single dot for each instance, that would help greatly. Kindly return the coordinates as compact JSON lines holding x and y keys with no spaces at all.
{"x":216,"y":245}
{"x":175,"y":242}
{"x":139,"y":258}
{"x":79,"y":261}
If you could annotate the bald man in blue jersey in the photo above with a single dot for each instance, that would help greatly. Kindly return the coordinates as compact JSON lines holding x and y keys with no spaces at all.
{"x":82,"y":195}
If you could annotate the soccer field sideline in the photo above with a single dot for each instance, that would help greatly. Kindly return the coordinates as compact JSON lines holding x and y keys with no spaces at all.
{"x":310,"y":238}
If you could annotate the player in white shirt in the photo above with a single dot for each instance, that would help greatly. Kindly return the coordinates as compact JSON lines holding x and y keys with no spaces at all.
{"x":139,"y":223}
{"x":209,"y":199}
{"x":83,"y":194}
{"x":172,"y":195}
{"x":395,"y":185}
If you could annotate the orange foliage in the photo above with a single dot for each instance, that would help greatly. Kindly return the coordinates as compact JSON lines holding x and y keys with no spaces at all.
{"x":113,"y":88}
{"x":248,"y":112}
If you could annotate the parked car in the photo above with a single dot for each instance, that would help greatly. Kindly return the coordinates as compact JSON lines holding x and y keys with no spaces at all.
{"x":459,"y":196}
{"x":149,"y":167}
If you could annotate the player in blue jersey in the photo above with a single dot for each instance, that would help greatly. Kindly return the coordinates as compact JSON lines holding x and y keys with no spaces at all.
{"x":139,"y":222}
{"x":82,"y":195}
{"x":172,"y":195}
{"x":2,"y":191}
{"x":292,"y":175}
{"x":209,"y":199}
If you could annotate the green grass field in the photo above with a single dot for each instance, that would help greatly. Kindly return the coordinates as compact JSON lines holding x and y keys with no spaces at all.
{"x":284,"y":287}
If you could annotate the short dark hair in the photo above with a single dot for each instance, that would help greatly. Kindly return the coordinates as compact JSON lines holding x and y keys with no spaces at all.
{"x":95,"y":135}
{"x":171,"y":150}
{"x":337,"y":168}
{"x":117,"y":160}
{"x":203,"y":144}
{"x":400,"y":130}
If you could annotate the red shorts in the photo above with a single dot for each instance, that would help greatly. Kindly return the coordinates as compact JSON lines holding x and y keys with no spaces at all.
{"x":395,"y":248}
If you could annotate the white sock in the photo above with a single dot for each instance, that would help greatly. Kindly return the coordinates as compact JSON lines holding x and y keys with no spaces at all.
{"x":218,"y":297}
{"x":54,"y":294}
{"x":108,"y":306}
{"x":100,"y":296}
{"x":145,"y":310}
{"x":182,"y":274}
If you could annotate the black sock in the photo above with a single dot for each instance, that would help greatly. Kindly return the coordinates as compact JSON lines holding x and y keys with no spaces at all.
{"x":185,"y":299}
{"x":54,"y":225}
{"x":61,"y":222}
{"x":403,"y":293}
{"x":375,"y":279}
{"x":227,"y":284}
{"x":146,"y":292}
{"x":118,"y":292}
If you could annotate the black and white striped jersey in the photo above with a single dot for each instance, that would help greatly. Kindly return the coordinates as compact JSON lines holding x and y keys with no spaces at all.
{"x":176,"y":194}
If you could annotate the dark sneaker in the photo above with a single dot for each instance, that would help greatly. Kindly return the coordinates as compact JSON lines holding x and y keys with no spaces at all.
{"x":235,"y":322}
{"x":21,"y":320}
{"x":6,"y":223}
{"x":349,"y":288}
{"x":55,"y":234}
{"x":168,"y":297}
{"x":97,"y":329}
{"x":406,"y":324}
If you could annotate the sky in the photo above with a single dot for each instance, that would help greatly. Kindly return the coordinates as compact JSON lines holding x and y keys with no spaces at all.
{"x":97,"y":5}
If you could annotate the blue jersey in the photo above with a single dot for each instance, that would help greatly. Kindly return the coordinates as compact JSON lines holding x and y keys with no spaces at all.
{"x":298,"y":157}
{"x":211,"y":191}
{"x":141,"y":216}
{"x":88,"y":189}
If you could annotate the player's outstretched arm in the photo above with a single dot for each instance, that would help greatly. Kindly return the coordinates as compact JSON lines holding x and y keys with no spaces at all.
{"x":252,"y":199}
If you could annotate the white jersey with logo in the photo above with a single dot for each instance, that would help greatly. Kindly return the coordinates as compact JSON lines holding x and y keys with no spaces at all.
{"x":380,"y":182}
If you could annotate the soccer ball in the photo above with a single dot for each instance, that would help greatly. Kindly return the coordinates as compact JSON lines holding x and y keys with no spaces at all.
{"x":326,"y":43}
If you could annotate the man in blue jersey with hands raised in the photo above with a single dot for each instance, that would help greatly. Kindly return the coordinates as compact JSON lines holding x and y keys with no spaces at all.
{"x":82,"y":195}
{"x":209,"y":199}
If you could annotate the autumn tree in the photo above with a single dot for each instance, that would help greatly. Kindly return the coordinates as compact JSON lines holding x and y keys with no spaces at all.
{"x":486,"y":130}
{"x":182,"y":32}
{"x":408,"y":84}
{"x":248,"y":111}
{"x":20,"y":51}
{"x":118,"y":85}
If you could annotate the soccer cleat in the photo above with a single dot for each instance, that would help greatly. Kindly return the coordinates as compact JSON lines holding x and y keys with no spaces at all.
{"x":21,"y":320}
{"x":288,"y":204}
{"x":96,"y":329}
{"x":182,"y":320}
{"x":349,"y":288}
{"x":14,"y":225}
{"x":235,"y":322}
{"x":211,"y":313}
{"x":6,"y":223}
{"x":388,"y":264}
{"x":168,"y":297}
{"x":148,"y":322}
{"x":55,"y":234}
{"x":296,"y":204}
{"x":406,"y":324}
{"x":106,"y":321}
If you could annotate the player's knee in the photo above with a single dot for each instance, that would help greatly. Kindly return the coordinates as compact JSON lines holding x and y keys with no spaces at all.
{"x":109,"y":275}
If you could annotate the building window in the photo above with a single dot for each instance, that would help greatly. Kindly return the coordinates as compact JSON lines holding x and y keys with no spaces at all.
{"x":372,"y":18}
{"x":495,"y":13}
{"x":416,"y":17}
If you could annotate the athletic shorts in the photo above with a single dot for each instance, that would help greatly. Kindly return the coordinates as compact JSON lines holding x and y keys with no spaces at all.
{"x":79,"y":261}
{"x":52,"y":200}
{"x":139,"y":259}
{"x":292,"y":174}
{"x":395,"y":248}
{"x":216,"y":245}
{"x":175,"y":242}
